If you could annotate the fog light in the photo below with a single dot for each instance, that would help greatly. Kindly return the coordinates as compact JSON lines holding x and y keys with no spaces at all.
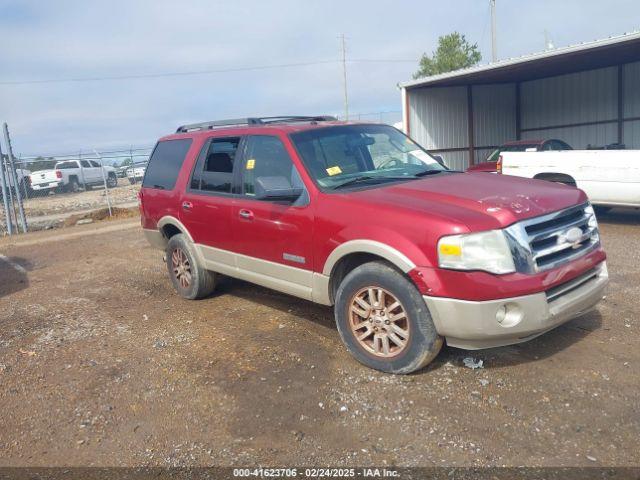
{"x":501,"y":314}
{"x":509,"y":315}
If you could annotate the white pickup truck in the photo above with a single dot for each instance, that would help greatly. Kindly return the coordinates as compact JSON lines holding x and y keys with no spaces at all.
{"x":610,"y":178}
{"x":135,"y":173}
{"x":70,"y":175}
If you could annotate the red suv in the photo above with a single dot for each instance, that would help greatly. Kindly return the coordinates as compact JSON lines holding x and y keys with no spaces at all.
{"x":360,"y":217}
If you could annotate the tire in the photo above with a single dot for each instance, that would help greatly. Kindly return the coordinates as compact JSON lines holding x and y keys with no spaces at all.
{"x":73,"y":186}
{"x":199,"y":281}
{"x":421,"y":343}
{"x":112,"y":180}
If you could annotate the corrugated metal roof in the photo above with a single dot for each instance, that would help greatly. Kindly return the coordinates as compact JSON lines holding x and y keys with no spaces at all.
{"x":503,"y":70}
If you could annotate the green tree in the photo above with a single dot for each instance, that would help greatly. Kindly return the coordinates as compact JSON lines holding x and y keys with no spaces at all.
{"x":41,"y":163}
{"x":125,"y":162}
{"x":454,"y":52}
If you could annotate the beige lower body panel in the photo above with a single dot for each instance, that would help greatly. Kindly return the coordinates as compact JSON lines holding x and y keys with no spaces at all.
{"x":283,"y":278}
{"x":474,"y":325}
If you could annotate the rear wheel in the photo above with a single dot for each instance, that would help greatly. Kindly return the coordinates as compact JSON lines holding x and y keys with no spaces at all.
{"x":112,"y":180}
{"x":384,"y":321}
{"x":189,"y":279}
{"x":73,"y":186}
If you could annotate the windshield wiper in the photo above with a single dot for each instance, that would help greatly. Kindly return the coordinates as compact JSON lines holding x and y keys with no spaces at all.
{"x":429,"y":172}
{"x":365,"y":178}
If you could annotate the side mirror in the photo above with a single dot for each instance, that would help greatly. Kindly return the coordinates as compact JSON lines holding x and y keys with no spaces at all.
{"x":276,"y":188}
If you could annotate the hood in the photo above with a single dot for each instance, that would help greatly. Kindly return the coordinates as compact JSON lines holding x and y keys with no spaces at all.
{"x":481,"y":201}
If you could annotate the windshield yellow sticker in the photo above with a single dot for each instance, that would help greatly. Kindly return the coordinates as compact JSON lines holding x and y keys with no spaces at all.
{"x":251,"y":164}
{"x":334,"y":171}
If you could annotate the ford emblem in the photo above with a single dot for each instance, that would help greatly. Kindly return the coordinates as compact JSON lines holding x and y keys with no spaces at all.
{"x":572,"y":236}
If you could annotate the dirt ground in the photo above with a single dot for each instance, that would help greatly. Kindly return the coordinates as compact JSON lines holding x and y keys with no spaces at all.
{"x":102,"y":364}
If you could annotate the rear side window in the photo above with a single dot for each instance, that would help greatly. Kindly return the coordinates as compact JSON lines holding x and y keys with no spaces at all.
{"x":66,"y":165}
{"x":214,"y":170}
{"x":165,"y":163}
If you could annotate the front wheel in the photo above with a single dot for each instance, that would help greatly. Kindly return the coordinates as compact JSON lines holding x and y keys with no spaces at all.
{"x":190,"y":279}
{"x":384,"y":321}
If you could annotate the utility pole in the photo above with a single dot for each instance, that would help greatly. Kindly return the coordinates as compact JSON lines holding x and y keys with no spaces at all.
{"x":344,"y":77}
{"x":548,"y":43}
{"x":494,"y":43}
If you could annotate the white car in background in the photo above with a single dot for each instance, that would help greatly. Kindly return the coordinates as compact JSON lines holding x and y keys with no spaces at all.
{"x":135,"y":173}
{"x":610,"y":178}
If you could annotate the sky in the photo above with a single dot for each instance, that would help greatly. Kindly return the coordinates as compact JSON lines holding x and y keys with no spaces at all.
{"x":56,"y":40}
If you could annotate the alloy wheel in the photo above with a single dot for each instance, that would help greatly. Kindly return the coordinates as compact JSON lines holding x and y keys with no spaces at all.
{"x":181,"y":267}
{"x":379,"y":322}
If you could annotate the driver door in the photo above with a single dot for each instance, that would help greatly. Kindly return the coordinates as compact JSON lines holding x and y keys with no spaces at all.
{"x":273,"y":238}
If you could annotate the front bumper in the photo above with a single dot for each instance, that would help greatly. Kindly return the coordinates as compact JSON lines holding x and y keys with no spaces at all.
{"x":485,"y":324}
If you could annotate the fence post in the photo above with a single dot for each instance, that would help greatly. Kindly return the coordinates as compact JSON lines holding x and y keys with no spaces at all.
{"x":26,"y":182}
{"x":5,"y":199}
{"x":16,"y":184}
{"x":104,"y":181}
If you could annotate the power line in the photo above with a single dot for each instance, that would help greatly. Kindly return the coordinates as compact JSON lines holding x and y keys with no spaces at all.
{"x":195,"y":73}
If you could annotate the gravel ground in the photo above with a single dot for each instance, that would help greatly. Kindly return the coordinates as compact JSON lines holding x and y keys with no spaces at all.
{"x":50,"y":203}
{"x":102,"y":364}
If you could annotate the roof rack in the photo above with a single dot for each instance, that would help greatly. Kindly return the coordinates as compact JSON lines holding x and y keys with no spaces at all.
{"x":254,"y":121}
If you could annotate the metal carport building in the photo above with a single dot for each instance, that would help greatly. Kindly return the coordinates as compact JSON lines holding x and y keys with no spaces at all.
{"x":582,"y":94}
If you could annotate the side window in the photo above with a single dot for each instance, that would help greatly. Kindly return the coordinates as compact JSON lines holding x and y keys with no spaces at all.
{"x":165,"y":163}
{"x":214,"y":169}
{"x":266,"y":156}
{"x":94,"y":164}
{"x":85,"y":164}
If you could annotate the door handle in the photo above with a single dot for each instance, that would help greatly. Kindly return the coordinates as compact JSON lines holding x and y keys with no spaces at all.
{"x":246,"y":214}
{"x":187,"y":205}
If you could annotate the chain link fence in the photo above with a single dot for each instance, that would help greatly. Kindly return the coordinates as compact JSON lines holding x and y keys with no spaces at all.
{"x":48,"y":191}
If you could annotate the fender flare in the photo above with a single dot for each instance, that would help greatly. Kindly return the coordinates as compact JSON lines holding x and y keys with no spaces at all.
{"x":169,"y":220}
{"x":380,"y":249}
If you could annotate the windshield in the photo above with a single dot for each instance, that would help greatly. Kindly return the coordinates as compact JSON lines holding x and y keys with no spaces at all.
{"x":339,"y":155}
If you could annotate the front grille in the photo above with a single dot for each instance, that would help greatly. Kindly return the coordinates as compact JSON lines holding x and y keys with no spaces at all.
{"x":546,"y":242}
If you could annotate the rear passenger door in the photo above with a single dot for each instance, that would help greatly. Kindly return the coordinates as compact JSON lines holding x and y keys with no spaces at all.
{"x":86,"y":174}
{"x":205,"y":208}
{"x":96,"y":172}
{"x":272,"y":237}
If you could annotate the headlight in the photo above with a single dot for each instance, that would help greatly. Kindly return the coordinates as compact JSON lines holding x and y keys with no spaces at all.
{"x":488,"y":251}
{"x":592,"y":223}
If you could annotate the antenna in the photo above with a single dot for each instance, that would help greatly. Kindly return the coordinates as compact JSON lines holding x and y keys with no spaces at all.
{"x":494,"y":42}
